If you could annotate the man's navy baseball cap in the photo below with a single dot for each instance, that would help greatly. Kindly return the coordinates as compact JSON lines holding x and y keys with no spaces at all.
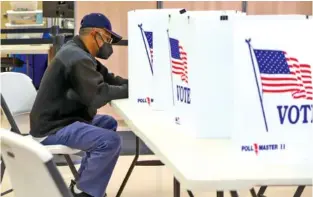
{"x":98,"y":20}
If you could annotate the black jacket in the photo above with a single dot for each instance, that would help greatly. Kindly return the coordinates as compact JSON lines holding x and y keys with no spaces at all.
{"x":73,"y":87}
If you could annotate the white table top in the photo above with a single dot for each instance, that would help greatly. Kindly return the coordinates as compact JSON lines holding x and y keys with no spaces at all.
{"x":25,"y":49}
{"x":203,"y":164}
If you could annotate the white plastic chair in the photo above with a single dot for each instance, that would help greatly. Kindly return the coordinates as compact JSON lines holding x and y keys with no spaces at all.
{"x":30,"y":166}
{"x":17,"y":98}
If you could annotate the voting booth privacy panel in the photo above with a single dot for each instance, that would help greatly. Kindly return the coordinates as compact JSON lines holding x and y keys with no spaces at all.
{"x":195,"y":84}
{"x":143,"y":25}
{"x":272,"y":79}
{"x":163,"y":71}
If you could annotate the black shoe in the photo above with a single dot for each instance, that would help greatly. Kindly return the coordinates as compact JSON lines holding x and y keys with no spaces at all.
{"x":82,"y":194}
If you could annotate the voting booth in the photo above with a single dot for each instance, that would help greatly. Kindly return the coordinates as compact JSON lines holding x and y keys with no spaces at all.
{"x":191,"y":47}
{"x":229,"y":64}
{"x":276,"y":121}
{"x":163,"y":98}
{"x":142,"y":27}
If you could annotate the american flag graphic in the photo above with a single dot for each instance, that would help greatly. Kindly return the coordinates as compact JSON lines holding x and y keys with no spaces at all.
{"x":149,"y":37}
{"x":281,"y":73}
{"x":179,"y":60}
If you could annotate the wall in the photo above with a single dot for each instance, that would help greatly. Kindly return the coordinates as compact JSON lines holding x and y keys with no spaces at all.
{"x":117,"y":12}
{"x":5,"y":5}
{"x":204,"y":5}
{"x":280,"y":7}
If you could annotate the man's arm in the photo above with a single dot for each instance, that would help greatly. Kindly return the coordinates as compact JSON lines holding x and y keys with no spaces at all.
{"x":110,"y":78}
{"x":90,"y":87}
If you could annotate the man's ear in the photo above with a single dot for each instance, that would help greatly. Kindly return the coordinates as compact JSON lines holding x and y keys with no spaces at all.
{"x":93,"y":33}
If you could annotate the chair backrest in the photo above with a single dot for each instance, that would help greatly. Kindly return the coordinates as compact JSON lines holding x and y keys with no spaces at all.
{"x":18,"y":92}
{"x":31,"y":170}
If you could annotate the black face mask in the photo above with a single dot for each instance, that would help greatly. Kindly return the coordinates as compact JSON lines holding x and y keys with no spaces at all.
{"x":105,"y":51}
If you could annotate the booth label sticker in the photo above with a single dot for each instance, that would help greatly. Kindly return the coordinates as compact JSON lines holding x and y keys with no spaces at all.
{"x":257,"y":148}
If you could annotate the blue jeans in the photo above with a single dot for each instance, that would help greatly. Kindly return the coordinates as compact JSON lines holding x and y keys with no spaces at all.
{"x":102,"y":146}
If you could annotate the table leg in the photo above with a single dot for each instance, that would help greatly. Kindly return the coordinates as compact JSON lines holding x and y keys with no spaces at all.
{"x":130,"y":170}
{"x":190,"y":193}
{"x":134,"y":163}
{"x":176,"y":188}
{"x":299,"y":191}
{"x":219,"y":194}
{"x":262,"y":191}
{"x":253,"y":193}
{"x":234,"y":194}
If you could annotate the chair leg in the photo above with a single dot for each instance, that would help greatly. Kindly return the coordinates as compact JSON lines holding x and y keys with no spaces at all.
{"x":71,"y":166}
{"x":2,"y":174}
{"x":2,"y":169}
{"x":6,"y":192}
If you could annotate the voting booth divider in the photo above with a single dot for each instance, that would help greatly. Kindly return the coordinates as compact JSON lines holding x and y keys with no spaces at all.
{"x":191,"y":46}
{"x":273,"y":89}
{"x":225,"y":75}
{"x":142,"y":27}
{"x":163,"y":74}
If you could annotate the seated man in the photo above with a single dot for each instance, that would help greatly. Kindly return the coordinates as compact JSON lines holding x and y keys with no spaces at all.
{"x":74,"y":86}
